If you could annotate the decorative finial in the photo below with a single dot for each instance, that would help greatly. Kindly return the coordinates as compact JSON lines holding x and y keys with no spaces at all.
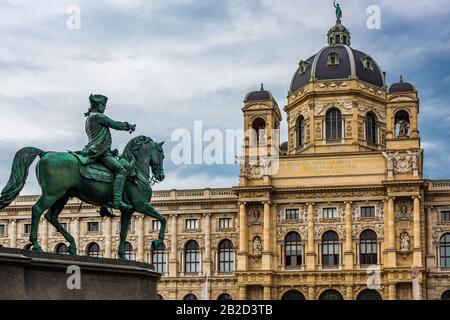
{"x":262,"y":86}
{"x":401,"y":78}
{"x":338,"y":11}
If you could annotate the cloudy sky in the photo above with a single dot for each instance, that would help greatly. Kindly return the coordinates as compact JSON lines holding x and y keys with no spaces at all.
{"x":167,"y":63}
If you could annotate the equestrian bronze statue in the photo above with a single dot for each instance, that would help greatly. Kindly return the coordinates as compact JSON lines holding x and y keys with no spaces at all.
{"x":96,"y":175}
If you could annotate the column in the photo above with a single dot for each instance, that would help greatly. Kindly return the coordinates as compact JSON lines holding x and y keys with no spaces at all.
{"x":417,"y":251}
{"x":392,"y":292}
{"x":76,"y":233}
{"x":140,"y":237}
{"x":242,"y":293}
{"x":266,"y":259}
{"x":242,"y":257}
{"x":267,"y":293}
{"x":44,"y":234}
{"x":348,"y":252}
{"x":311,"y":293}
{"x":430,"y":254}
{"x":207,"y":257}
{"x":173,"y":246}
{"x":391,"y":259}
{"x":13,"y":233}
{"x":348,"y":293}
{"x":107,"y":223}
{"x":310,"y":253}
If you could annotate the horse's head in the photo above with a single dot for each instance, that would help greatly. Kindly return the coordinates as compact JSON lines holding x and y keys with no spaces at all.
{"x":144,"y":152}
{"x":156,"y":160}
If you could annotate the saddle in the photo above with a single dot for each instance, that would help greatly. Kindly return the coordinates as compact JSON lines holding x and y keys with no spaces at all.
{"x":96,"y":170}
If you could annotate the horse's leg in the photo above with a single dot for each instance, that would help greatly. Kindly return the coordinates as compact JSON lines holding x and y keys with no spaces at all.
{"x":125,"y":219}
{"x":38,"y":209}
{"x":148,"y":210}
{"x":52,"y":216}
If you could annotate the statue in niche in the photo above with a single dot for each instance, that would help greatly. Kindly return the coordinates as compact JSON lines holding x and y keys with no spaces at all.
{"x":404,"y":241}
{"x":404,"y":128}
{"x":257,"y":245}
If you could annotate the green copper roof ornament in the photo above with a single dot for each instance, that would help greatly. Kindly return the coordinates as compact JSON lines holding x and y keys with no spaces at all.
{"x":338,"y":10}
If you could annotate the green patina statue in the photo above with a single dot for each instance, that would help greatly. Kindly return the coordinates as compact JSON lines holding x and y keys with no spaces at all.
{"x":95,"y":175}
{"x":338,"y":10}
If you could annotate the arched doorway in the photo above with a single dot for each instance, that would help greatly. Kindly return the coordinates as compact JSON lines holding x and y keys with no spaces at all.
{"x":293,"y":295}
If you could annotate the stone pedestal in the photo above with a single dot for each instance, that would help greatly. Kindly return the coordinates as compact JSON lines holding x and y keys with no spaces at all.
{"x":29,"y":275}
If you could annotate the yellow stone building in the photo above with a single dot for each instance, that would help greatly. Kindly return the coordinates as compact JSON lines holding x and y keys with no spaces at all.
{"x":340,"y":211}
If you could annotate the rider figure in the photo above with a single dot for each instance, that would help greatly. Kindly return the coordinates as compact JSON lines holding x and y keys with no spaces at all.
{"x":99,"y":146}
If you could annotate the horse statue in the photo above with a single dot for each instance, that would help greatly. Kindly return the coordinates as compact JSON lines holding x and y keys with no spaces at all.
{"x":62,"y":175}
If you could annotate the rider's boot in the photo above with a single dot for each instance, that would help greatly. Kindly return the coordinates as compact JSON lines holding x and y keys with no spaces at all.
{"x":119,"y":183}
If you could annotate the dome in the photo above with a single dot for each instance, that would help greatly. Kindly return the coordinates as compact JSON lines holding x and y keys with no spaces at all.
{"x":258,"y":95}
{"x":338,"y":61}
{"x":401,"y":86}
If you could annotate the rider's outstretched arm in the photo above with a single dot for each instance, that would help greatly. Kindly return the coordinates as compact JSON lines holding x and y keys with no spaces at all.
{"x":117,"y":125}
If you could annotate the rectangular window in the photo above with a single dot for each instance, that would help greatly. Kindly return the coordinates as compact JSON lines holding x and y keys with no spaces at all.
{"x":329,"y":213}
{"x":367,"y":212}
{"x":225,"y":223}
{"x":445,"y":215}
{"x":292,"y":214}
{"x":156,"y":225}
{"x":191,"y":223}
{"x":27,"y":228}
{"x":93,"y":226}
{"x":2,"y":229}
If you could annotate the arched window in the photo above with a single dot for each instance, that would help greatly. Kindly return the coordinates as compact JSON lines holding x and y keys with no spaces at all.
{"x":159,"y":260}
{"x":224,"y":296}
{"x":190,"y":296}
{"x":402,"y":124}
{"x":129,"y":251}
{"x":371,"y":128}
{"x":445,"y":295}
{"x":61,"y":248}
{"x":369,"y":294}
{"x":226,"y":256}
{"x":330,"y":249}
{"x":368,"y":247}
{"x":93,"y":250}
{"x":333,"y":125}
{"x":259,"y":127}
{"x":331,"y":295}
{"x":300,"y":131}
{"x":159,"y":297}
{"x":292,"y":249}
{"x":293,"y":295}
{"x":191,"y":257}
{"x":445,"y":250}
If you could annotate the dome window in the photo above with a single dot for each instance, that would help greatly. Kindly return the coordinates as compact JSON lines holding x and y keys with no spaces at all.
{"x":303,"y":67}
{"x":333,"y":59}
{"x":367,"y":63}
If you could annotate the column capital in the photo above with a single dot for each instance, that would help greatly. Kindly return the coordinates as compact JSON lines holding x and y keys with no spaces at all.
{"x":348,"y":202}
{"x":207,"y":214}
{"x":416,"y":197}
{"x":242,"y":203}
{"x":267,"y":202}
{"x":310,"y":203}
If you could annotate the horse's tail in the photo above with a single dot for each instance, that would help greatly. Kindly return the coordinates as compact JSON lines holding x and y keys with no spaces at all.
{"x":19,"y":173}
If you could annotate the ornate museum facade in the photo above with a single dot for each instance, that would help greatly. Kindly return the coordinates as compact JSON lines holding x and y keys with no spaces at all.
{"x":346,"y":215}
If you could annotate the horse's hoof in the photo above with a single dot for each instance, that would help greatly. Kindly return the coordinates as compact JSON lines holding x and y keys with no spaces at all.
{"x":72,"y":250}
{"x":37,"y":249}
{"x":123,"y":257}
{"x":156,"y":243}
